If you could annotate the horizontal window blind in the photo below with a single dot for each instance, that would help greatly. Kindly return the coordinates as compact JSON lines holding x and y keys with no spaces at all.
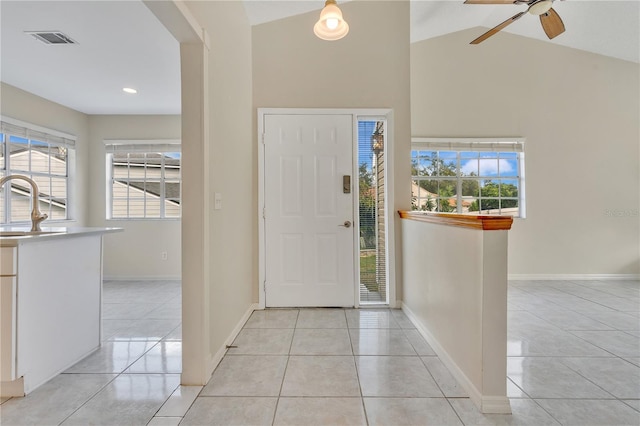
{"x":161,"y":145}
{"x":38,"y":134}
{"x":488,"y":145}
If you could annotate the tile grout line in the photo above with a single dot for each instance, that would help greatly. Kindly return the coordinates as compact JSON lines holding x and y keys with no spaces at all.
{"x":591,"y":381}
{"x":355,"y":365}
{"x":116,"y":375}
{"x":92,"y":396}
{"x":284,"y":374}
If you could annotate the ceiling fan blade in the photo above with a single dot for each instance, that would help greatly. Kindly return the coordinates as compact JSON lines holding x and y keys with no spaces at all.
{"x":496,"y":29}
{"x":552,"y":23}
{"x":489,"y":2}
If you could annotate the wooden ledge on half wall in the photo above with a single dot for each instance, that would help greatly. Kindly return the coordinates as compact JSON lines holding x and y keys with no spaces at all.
{"x":486,"y":223}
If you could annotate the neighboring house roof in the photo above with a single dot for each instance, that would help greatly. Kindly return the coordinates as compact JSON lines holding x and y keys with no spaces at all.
{"x":141,"y":192}
{"x":147,"y":182}
{"x":172,"y":190}
{"x":54,"y":161}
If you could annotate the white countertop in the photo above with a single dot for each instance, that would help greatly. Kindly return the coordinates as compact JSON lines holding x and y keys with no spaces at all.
{"x":48,"y":233}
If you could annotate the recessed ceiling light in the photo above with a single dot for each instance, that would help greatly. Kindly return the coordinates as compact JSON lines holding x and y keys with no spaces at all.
{"x":129,"y":90}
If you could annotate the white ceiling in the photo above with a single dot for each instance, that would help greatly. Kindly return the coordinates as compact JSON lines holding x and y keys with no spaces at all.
{"x":610,"y":28}
{"x":121,"y":44}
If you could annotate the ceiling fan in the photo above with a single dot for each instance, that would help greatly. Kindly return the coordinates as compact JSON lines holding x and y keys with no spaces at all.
{"x":549,"y":18}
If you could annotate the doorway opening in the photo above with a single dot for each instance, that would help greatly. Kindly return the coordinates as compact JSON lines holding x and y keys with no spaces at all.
{"x":372,"y":191}
{"x":366,"y":270}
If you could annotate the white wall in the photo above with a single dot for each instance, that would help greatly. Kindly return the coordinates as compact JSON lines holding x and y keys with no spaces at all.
{"x":24,"y":106}
{"x":136,"y":252}
{"x":369,"y":68}
{"x":231,"y":167}
{"x":579,"y":114}
{"x":456,"y":293}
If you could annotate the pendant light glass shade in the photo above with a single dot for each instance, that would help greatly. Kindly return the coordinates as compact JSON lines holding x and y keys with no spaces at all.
{"x":331,"y":26}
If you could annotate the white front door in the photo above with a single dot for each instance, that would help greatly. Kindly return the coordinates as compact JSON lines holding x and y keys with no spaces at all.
{"x":309,"y":252}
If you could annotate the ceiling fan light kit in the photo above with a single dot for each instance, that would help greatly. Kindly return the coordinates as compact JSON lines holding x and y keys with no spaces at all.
{"x":331,"y":25}
{"x":549,"y":19}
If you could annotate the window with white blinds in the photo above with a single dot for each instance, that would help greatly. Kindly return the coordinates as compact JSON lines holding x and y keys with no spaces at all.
{"x":144,"y":179}
{"x":468,"y":176}
{"x":41,"y":154}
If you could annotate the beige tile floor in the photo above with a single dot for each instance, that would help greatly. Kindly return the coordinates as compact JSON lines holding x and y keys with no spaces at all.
{"x":573,"y":347}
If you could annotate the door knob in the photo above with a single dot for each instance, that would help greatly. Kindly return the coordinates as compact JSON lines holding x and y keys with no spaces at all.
{"x":346,"y":224}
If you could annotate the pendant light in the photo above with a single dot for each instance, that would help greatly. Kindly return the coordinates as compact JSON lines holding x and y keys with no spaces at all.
{"x":331,"y":26}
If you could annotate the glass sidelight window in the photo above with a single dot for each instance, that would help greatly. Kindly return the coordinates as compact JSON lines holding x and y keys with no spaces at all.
{"x":372,"y":214}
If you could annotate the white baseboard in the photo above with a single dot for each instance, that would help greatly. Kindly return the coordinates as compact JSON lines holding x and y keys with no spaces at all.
{"x":495,"y":405}
{"x":575,"y":277}
{"x":215,"y":360}
{"x":486,"y":404}
{"x":12,"y":388}
{"x":142,"y":278}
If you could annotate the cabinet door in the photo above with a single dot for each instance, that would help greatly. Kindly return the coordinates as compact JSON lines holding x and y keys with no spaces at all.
{"x":8,"y":259}
{"x":7,"y":328}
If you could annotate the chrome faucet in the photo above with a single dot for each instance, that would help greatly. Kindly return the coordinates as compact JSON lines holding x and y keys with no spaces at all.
{"x":36,"y":216}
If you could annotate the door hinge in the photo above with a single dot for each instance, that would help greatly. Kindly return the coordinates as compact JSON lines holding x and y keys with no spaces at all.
{"x":263,"y":139}
{"x":264,"y":286}
{"x":264,"y":212}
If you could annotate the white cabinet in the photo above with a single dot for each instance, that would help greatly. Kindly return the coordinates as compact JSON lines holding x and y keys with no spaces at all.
{"x":8,"y":261}
{"x":8,"y":328}
{"x":50,"y":305}
{"x":8,"y":269}
{"x":59,"y":302}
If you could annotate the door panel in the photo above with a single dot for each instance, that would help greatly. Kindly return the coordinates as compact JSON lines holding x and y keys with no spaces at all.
{"x":291,"y":186}
{"x":308,"y":254}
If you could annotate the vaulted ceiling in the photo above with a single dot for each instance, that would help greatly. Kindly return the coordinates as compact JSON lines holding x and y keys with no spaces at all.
{"x":121,"y":44}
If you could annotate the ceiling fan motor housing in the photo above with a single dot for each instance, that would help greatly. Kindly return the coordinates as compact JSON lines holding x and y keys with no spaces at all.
{"x":540,"y":7}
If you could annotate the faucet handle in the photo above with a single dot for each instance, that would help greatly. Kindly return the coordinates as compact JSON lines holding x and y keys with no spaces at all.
{"x":39,"y":216}
{"x":36,"y":219}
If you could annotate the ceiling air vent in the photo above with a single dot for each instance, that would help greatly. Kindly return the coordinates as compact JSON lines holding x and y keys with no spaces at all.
{"x":52,"y":37}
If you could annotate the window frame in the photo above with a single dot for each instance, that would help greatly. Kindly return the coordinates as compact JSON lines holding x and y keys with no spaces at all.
{"x":494,"y":145}
{"x":32,"y":133}
{"x":143,"y":146}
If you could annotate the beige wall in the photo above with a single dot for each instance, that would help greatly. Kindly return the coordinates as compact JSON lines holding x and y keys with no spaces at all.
{"x":369,"y":68}
{"x":461,"y":309}
{"x":232,"y":165}
{"x":24,"y":106}
{"x":579,"y":114}
{"x":136,"y":252}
